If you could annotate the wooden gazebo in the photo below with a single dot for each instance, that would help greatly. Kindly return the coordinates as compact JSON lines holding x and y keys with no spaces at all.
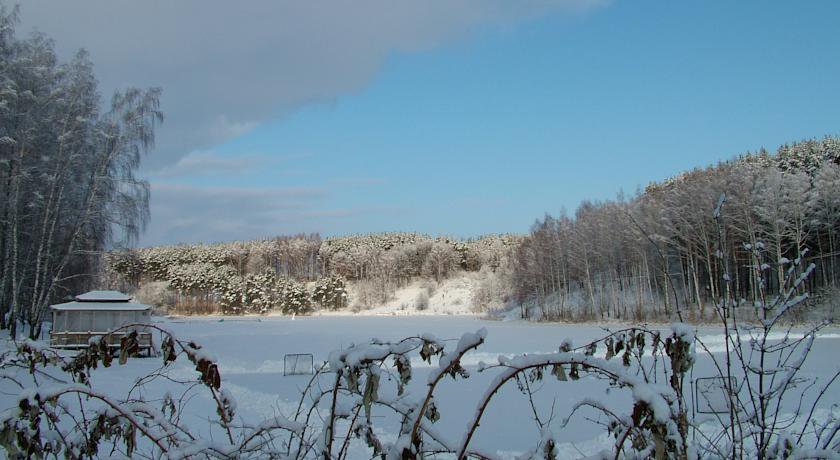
{"x":96,"y":313}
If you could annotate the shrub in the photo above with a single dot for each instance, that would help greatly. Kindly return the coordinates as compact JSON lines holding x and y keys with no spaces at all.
{"x":330,"y":293}
{"x":158,"y":294}
{"x":258,"y":292}
{"x":292,"y":297}
{"x":422,"y":301}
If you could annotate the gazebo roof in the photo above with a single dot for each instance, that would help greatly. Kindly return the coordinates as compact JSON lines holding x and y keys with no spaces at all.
{"x":101,"y":306}
{"x":103,"y":296}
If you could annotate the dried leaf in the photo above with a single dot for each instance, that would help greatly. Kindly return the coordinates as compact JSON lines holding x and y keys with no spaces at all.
{"x":371,"y":391}
{"x":557,"y":371}
{"x":432,"y":412}
{"x":573,"y":372}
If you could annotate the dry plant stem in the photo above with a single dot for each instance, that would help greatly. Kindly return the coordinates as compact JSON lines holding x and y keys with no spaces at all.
{"x":723,"y":313}
{"x":456,"y":361}
{"x":814,"y":405}
{"x":312,"y":409}
{"x":728,"y":387}
{"x":303,"y":394}
{"x":531,"y":403}
{"x":331,"y":423}
{"x":482,"y":407}
{"x":343,"y":451}
{"x":222,"y":415}
{"x":620,"y":444}
{"x":429,"y":432}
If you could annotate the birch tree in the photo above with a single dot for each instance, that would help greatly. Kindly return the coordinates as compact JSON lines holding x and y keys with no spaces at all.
{"x":68,"y":172}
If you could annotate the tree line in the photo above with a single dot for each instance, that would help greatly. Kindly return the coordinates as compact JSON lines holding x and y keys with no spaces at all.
{"x":657,"y":253}
{"x":295,"y":274}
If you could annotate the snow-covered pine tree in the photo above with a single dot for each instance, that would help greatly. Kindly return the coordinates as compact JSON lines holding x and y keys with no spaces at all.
{"x":330,"y":293}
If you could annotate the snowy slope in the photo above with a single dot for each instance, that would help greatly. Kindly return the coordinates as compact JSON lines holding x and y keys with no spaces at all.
{"x":453,"y":296}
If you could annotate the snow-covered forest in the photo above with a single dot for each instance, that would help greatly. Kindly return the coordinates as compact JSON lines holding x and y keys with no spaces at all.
{"x":635,"y":258}
{"x":301,"y":273}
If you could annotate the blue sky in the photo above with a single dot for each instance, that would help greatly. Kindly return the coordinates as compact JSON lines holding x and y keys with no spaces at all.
{"x":487,"y":129}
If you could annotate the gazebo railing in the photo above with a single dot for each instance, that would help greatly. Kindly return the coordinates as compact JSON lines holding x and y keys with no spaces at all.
{"x":71,"y":340}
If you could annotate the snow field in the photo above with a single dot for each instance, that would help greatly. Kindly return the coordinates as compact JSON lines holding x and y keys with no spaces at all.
{"x":250,"y":355}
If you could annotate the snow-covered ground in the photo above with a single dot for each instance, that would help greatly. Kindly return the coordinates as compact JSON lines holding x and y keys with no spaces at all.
{"x":250,"y":352}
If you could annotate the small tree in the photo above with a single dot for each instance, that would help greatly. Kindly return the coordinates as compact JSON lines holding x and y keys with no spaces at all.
{"x":441,"y":261}
{"x":259,"y":294}
{"x":330,"y":293}
{"x":231,"y":297}
{"x":292,"y":297}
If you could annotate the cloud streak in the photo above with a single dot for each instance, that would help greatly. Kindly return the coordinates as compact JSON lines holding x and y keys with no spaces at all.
{"x":208,"y":164}
{"x":189,"y":214}
{"x":186,"y":214}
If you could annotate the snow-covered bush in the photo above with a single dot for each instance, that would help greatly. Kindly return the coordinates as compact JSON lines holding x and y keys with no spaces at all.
{"x":259,"y":292}
{"x":71,"y":418}
{"x":200,"y":286}
{"x":293,"y":298}
{"x":492,"y":289}
{"x":158,"y":294}
{"x":44,"y":422}
{"x":657,"y":426}
{"x":421,"y":302}
{"x":330,"y":293}
{"x":253,"y":293}
{"x":232,"y":296}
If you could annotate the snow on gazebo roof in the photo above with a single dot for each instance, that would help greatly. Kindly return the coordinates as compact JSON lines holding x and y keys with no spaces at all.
{"x":103,"y":296}
{"x":101,"y":306}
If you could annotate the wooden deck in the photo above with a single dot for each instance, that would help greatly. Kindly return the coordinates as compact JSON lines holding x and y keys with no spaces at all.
{"x":76,"y":340}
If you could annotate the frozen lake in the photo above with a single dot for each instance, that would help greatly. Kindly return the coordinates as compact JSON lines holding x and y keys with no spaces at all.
{"x":250,"y":354}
